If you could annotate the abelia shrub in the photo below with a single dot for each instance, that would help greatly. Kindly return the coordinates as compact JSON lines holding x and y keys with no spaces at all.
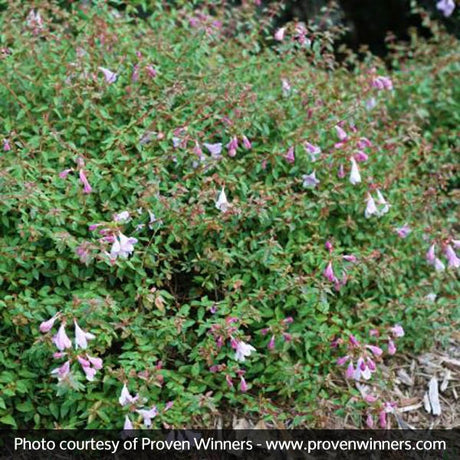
{"x":231,"y":222}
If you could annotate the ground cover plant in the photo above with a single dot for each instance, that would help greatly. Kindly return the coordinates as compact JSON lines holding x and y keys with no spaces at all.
{"x":202,"y":217}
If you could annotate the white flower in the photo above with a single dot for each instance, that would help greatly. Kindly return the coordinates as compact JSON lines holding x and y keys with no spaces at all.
{"x":286,"y":87}
{"x":214,"y":149}
{"x":147,"y":415}
{"x":222,"y":203}
{"x":122,"y":217}
{"x":371,"y":208}
{"x":438,"y":265}
{"x":310,"y":180}
{"x":82,"y":337}
{"x":243,"y":350}
{"x":355,"y":176}
{"x":382,"y":201}
{"x":110,"y":77}
{"x":122,"y":247}
{"x":125,"y":397}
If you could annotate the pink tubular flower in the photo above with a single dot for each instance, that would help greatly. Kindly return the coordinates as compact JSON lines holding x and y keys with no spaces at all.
{"x":86,"y":187}
{"x":247,"y":143}
{"x":110,"y":77}
{"x":453,"y":260}
{"x":397,"y":330}
{"x":228,"y":379}
{"x":125,"y":398}
{"x":364,"y":142}
{"x":403,"y":231}
{"x":382,"y":83}
{"x":82,"y":337}
{"x":279,"y":34}
{"x":147,"y":415}
{"x":353,"y":341}
{"x":328,"y":246}
{"x":63,"y":174}
{"x":341,"y":134}
{"x":152,"y":73}
{"x":361,"y":156}
{"x":243,"y":350}
{"x":214,"y":149}
{"x":243,"y":385}
{"x":383,"y":419}
{"x":377,"y":351}
{"x":430,"y":255}
{"x":369,"y":421}
{"x":341,"y":361}
{"x":438,"y":265}
{"x":329,"y":273}
{"x":232,"y":146}
{"x":312,"y":150}
{"x":62,"y":372}
{"x":290,"y":156}
{"x":95,"y":362}
{"x":222,"y":203}
{"x":61,"y":340}
{"x":350,"y":371}
{"x":285,"y":87}
{"x":46,"y":326}
{"x":349,"y":258}
{"x":6,"y":145}
{"x":271,"y":343}
{"x":391,"y":347}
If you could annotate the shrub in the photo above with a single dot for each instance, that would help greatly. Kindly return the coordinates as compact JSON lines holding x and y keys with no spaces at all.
{"x":182,"y":191}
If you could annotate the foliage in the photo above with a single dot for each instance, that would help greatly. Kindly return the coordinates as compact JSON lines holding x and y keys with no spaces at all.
{"x":200,"y":279}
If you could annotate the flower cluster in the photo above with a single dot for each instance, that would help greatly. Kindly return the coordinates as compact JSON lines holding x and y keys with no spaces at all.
{"x":449,"y":252}
{"x":89,"y":364}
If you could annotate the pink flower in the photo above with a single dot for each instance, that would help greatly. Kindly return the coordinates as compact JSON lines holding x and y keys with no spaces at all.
{"x":6,"y":145}
{"x":279,"y":34}
{"x":377,"y":351}
{"x":125,"y":398}
{"x":147,"y":415}
{"x":86,"y":187}
{"x":353,"y":341}
{"x":285,"y":87}
{"x":232,"y":146}
{"x":361,"y":156}
{"x":62,"y":372}
{"x":312,"y":150}
{"x":123,"y":216}
{"x":350,"y":371}
{"x":453,"y":260}
{"x":430,"y":255}
{"x":341,"y":134}
{"x":382,"y":83}
{"x":122,"y":247}
{"x":81,"y":337}
{"x":397,"y":330}
{"x":243,"y":385}
{"x":364,"y":142}
{"x":197,"y":150}
{"x":341,"y":361}
{"x":447,"y":7}
{"x":228,"y":379}
{"x":383,"y":419}
{"x":438,"y":265}
{"x":61,"y":340}
{"x":403,"y":231}
{"x":329,"y":273}
{"x":391,"y":347}
{"x":243,"y":350}
{"x":110,"y":77}
{"x":369,"y":421}
{"x":290,"y":157}
{"x":341,"y":172}
{"x":63,"y":174}
{"x":151,"y":71}
{"x":247,"y":143}
{"x":271,"y":343}
{"x":349,"y":258}
{"x":328,"y":246}
{"x":46,"y":326}
{"x":96,"y":362}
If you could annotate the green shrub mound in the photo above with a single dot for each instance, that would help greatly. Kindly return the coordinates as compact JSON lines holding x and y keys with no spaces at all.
{"x":120,"y":214}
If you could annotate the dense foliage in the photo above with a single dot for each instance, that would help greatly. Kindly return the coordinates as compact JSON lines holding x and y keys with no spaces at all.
{"x":222,"y":213}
